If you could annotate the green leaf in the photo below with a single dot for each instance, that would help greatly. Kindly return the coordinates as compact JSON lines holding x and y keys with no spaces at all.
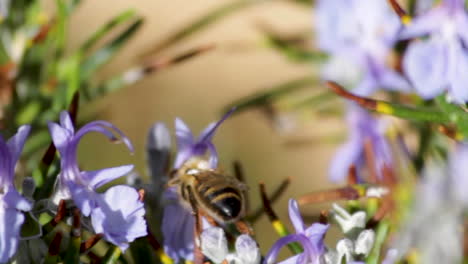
{"x":204,"y":22}
{"x":314,"y":100}
{"x":92,"y":62}
{"x":35,"y":142}
{"x":48,"y":180}
{"x":294,"y":52}
{"x":105,"y":87}
{"x":69,"y":82}
{"x":456,"y":114}
{"x":28,"y":113}
{"x":30,"y":226}
{"x":262,"y":98}
{"x":106,"y":28}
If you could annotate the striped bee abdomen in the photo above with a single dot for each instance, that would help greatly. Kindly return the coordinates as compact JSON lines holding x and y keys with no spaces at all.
{"x":226,"y":201}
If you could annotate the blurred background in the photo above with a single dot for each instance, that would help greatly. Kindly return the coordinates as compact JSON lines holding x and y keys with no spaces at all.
{"x":298,"y":144}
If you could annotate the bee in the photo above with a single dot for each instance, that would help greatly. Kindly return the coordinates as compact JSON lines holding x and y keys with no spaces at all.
{"x":211,"y":191}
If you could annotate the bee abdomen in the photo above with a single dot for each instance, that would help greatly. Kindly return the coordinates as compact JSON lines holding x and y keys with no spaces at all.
{"x":226,"y":202}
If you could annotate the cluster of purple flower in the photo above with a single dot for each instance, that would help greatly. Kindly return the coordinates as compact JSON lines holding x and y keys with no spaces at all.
{"x":360,"y":36}
{"x":363,"y":34}
{"x":120,"y":220}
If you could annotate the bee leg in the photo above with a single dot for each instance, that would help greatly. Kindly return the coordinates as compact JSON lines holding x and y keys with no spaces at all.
{"x":209,"y":219}
{"x":244,"y":227}
{"x":197,"y":254}
{"x":239,"y":173}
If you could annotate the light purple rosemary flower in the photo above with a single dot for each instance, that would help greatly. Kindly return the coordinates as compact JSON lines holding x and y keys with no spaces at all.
{"x":119,"y":215}
{"x":214,"y":246}
{"x":458,"y":166}
{"x":359,"y":35}
{"x":188,"y":147}
{"x":11,"y":202}
{"x":178,"y":222}
{"x":121,"y":220}
{"x":364,"y":129}
{"x":178,"y":226}
{"x":439,"y":64}
{"x":311,"y":239}
{"x":439,"y":205}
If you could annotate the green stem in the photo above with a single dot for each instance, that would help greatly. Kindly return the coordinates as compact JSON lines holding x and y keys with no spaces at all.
{"x":388,"y":108}
{"x":112,"y":255}
{"x":282,"y":231}
{"x":270,"y":94}
{"x":410,"y":113}
{"x":425,"y":136}
{"x":381,"y":235}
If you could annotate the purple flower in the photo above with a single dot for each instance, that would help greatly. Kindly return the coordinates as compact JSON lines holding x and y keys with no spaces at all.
{"x":311,"y":239}
{"x":11,"y":202}
{"x":119,"y":216}
{"x":363,"y":128}
{"x":360,"y":34}
{"x":178,"y":222}
{"x":178,"y":226}
{"x":458,"y":166}
{"x":121,"y":220}
{"x":439,"y":63}
{"x":188,"y":147}
{"x":439,"y":205}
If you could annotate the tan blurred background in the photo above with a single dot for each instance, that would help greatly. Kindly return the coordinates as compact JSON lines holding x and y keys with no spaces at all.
{"x":199,"y":89}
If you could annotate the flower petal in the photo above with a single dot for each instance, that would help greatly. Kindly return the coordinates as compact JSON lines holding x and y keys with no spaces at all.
{"x":425,"y":23}
{"x":210,"y":130}
{"x":213,"y":156}
{"x":98,"y":178}
{"x":65,"y":121}
{"x":348,"y":155}
{"x":184,"y":136}
{"x":333,"y":24}
{"x":462,"y":24}
{"x":13,"y":199}
{"x":60,"y":136}
{"x":272,"y":254}
{"x":391,"y":80}
{"x":16,"y":143}
{"x":316,"y":234}
{"x":120,"y":216}
{"x":425,"y":64}
{"x":84,"y":198}
{"x":11,"y":220}
{"x":182,"y":156}
{"x":458,"y":90}
{"x":177,"y":228}
{"x":309,"y":251}
{"x":295,"y":216}
{"x":106,"y":129}
{"x":366,"y":86}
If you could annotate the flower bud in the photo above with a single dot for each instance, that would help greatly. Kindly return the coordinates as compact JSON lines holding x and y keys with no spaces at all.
{"x":345,"y":248}
{"x":349,"y":222}
{"x":364,"y":242}
{"x":214,"y":244}
{"x":247,"y":250}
